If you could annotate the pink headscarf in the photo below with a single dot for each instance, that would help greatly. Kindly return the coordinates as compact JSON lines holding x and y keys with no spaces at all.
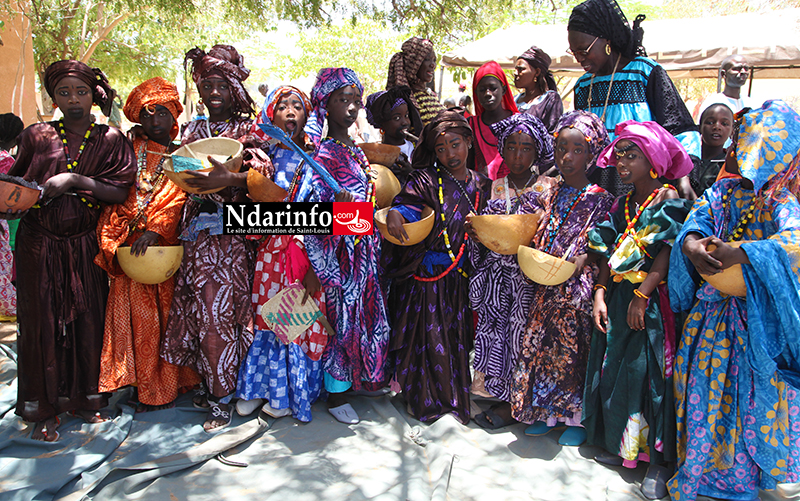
{"x":665,"y":153}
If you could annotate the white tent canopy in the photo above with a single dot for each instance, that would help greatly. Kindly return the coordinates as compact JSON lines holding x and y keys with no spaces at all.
{"x":686,"y":48}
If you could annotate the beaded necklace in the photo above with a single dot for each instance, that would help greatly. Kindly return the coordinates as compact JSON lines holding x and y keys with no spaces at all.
{"x":71,"y":164}
{"x":461,"y":188}
{"x":554,"y":228}
{"x":364,"y":163}
{"x":632,"y":222}
{"x":517,"y":193}
{"x":454,"y":259}
{"x":147,"y":186}
{"x":215,"y":133}
{"x":747,"y":215}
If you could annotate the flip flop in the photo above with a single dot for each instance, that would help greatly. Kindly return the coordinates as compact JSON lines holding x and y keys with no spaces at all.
{"x":200,"y":399}
{"x":215,"y":413}
{"x":344,"y":414}
{"x":490,"y":420}
{"x":56,"y":434}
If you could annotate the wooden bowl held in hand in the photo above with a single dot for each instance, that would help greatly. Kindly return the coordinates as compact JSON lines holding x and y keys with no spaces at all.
{"x":16,"y":197}
{"x":504,"y":233}
{"x":416,"y":231}
{"x":543,"y":268}
{"x":729,"y":281}
{"x":263,"y":189}
{"x":157,"y":264}
{"x":379,"y":153}
{"x":386,"y":185}
{"x":225,"y":150}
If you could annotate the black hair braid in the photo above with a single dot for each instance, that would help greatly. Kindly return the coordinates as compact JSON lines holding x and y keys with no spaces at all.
{"x":638,"y":34}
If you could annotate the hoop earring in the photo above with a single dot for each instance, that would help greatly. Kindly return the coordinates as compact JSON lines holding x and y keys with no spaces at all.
{"x":608,"y":49}
{"x":54,"y":105}
{"x":200,"y":101}
{"x":653,"y":174}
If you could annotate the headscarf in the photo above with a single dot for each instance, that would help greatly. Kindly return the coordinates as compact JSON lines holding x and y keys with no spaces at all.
{"x":223,"y":61}
{"x":404,"y":65}
{"x":769,"y":138}
{"x":281,"y":92}
{"x":492,"y":69}
{"x":102,"y":93}
{"x":156,"y":91}
{"x":665,"y":153}
{"x":530,"y":125}
{"x":381,"y":104}
{"x":538,"y":58}
{"x":328,"y":81}
{"x":446,"y":121}
{"x":605,"y":19}
{"x":592,"y":128}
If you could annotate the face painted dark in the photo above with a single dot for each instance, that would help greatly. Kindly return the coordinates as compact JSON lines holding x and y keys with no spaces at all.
{"x":343,"y":105}
{"x":571,"y":152}
{"x":490,"y":93}
{"x":452,"y":150}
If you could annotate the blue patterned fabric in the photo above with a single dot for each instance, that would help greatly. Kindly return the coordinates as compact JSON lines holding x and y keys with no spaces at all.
{"x":211,"y":221}
{"x":628,"y":100}
{"x":349,"y":273}
{"x":280,"y":373}
{"x":286,"y":163}
{"x":737,"y":370}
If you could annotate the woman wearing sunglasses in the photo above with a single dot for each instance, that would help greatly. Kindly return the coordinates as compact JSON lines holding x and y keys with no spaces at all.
{"x":622,"y":83}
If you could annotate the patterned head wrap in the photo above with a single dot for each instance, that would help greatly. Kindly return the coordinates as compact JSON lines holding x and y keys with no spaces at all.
{"x":446,"y":121}
{"x":538,"y":58}
{"x":328,"y":81}
{"x":592,"y":129}
{"x":530,"y":125}
{"x":605,"y":19}
{"x":281,"y":92}
{"x":492,"y":69}
{"x":665,"y":153}
{"x":769,"y":139}
{"x":223,"y":61}
{"x":381,"y":104}
{"x":102,"y":93}
{"x":404,"y":65}
{"x":156,"y":91}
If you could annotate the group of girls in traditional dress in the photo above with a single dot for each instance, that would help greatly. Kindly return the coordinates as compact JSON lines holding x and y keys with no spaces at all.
{"x":634,"y":353}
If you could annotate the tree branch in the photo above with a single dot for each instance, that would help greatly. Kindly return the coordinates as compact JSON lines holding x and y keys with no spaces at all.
{"x":101,"y":36}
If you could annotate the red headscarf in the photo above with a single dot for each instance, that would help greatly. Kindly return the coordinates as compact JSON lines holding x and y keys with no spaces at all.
{"x":156,"y":91}
{"x":492,"y":69}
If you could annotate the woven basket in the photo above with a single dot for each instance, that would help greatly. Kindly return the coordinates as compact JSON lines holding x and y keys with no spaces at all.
{"x":288,"y":318}
{"x":226,"y":151}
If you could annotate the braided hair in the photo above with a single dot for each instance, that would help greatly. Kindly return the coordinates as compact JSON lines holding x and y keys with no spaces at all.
{"x":605,"y":19}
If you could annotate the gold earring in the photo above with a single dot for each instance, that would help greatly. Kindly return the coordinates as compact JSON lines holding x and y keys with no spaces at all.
{"x":653,"y":174}
{"x":608,"y":49}
{"x":55,"y":106}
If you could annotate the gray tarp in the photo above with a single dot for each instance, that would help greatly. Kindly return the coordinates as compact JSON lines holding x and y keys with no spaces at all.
{"x":686,"y":48}
{"x":166,"y":455}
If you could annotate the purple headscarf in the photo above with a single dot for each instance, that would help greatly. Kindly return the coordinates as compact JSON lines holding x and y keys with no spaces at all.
{"x":328,"y":81}
{"x":530,"y":125}
{"x":665,"y":153}
{"x":592,"y":129}
{"x":225,"y":62}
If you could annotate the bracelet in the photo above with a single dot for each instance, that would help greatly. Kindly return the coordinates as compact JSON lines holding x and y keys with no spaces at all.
{"x":599,"y":286}
{"x":640,"y":294}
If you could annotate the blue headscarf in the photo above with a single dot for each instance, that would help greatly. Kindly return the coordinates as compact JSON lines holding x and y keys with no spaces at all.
{"x":328,"y":81}
{"x":769,"y":138}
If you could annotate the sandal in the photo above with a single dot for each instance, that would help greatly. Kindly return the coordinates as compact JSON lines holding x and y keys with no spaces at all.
{"x":89,"y":417}
{"x":200,"y":399}
{"x":217,"y":415}
{"x":491,"y":420}
{"x":50,"y":435}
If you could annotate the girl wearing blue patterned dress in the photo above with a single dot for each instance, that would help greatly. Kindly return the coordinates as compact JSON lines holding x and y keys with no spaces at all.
{"x":737,"y":369}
